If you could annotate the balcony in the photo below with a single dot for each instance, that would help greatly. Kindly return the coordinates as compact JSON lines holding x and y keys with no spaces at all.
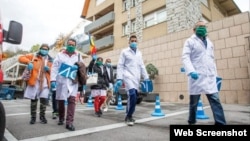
{"x":100,"y":44}
{"x":100,"y":23}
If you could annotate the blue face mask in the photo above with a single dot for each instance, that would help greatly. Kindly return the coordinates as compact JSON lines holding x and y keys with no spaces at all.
{"x":43,"y":52}
{"x":108,"y":64}
{"x":133,"y":45}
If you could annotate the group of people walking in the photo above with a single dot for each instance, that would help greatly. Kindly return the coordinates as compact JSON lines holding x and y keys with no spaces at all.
{"x":47,"y":76}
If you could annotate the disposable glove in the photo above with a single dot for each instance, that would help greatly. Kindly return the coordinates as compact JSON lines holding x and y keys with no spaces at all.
{"x":194,"y":75}
{"x":74,"y":67}
{"x":94,"y":57}
{"x":118,"y":84}
{"x":30,"y":66}
{"x":53,"y":85}
{"x":84,"y":87}
{"x":46,"y":68}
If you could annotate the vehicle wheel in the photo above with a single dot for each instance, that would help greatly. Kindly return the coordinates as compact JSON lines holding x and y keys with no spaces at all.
{"x":114,"y":100}
{"x":2,"y":121}
{"x":8,"y":97}
{"x":139,"y":100}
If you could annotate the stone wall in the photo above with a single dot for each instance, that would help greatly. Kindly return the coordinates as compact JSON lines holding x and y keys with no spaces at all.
{"x":182,"y":14}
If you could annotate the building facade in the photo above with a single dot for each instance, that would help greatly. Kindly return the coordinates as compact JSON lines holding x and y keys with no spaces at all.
{"x":163,"y":27}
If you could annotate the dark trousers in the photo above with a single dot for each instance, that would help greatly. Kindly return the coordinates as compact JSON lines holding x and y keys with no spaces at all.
{"x":131,"y":102}
{"x":70,"y":110}
{"x":54,"y":102}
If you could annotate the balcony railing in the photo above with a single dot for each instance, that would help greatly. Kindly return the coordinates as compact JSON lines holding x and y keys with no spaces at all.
{"x":99,"y":23}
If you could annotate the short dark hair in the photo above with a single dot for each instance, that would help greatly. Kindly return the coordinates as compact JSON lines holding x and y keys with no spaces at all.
{"x":71,"y":39}
{"x":132,"y":36}
{"x":44,"y":45}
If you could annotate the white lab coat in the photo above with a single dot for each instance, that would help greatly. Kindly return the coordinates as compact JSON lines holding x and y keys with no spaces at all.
{"x":130,"y":68}
{"x":64,"y":86}
{"x":197,"y":58}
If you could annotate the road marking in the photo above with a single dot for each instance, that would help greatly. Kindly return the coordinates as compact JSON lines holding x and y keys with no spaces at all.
{"x":99,"y":129}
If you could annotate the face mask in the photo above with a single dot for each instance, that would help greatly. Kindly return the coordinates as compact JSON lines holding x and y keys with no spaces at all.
{"x":99,"y":63}
{"x":201,"y":31}
{"x":70,"y":49}
{"x":108,"y":64}
{"x":43,"y":52}
{"x":133,"y":45}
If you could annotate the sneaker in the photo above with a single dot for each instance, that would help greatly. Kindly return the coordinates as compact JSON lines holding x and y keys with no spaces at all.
{"x":105,"y":109}
{"x":33,"y":120}
{"x":130,"y":121}
{"x":60,"y":122}
{"x":70,"y":127}
{"x":98,"y":114}
{"x":54,"y":115}
{"x":43,"y":120}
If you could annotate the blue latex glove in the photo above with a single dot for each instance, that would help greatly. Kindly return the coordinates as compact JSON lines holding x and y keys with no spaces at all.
{"x":194,"y":75}
{"x":74,"y":67}
{"x":118,"y":84}
{"x":30,"y":66}
{"x":46,"y":68}
{"x":94,"y":57}
{"x":53,"y":85}
{"x":84,"y":87}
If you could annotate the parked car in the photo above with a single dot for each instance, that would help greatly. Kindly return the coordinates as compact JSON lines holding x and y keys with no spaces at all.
{"x":122,"y":91}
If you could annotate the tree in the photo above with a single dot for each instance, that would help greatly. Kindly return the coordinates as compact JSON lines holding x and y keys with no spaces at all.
{"x":35,"y":48}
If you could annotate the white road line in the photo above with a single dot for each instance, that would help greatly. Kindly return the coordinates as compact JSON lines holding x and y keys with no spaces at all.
{"x":19,"y":114}
{"x":98,"y":129}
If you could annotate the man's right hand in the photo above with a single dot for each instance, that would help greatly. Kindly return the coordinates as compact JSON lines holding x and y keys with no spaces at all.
{"x":194,"y":75}
{"x":118,"y":84}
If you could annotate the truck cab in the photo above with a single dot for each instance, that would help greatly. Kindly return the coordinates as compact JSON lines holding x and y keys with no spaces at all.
{"x":13,"y":36}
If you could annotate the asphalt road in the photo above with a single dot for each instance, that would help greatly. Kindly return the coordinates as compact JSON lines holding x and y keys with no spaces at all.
{"x":111,"y":126}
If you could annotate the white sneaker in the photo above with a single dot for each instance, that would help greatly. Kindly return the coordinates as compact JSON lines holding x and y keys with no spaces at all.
{"x":105,"y":109}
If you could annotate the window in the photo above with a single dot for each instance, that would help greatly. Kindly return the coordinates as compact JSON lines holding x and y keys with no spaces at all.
{"x":98,"y":2}
{"x":155,"y":17}
{"x":125,"y":28}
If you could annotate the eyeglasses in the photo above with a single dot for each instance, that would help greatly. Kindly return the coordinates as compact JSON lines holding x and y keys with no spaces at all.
{"x":133,"y":40}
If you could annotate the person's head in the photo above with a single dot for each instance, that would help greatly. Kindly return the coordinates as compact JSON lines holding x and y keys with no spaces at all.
{"x":44,"y":50}
{"x":99,"y":61}
{"x":200,"y":29}
{"x":108,"y":62}
{"x":71,"y":46}
{"x":133,"y":42}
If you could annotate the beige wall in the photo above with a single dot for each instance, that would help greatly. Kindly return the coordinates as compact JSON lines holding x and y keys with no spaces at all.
{"x":231,"y":52}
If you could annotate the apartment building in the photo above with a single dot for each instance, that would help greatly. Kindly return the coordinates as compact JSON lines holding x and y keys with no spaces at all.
{"x":163,"y":26}
{"x":114,"y":20}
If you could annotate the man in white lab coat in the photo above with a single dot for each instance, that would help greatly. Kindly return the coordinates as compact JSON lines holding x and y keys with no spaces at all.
{"x":130,"y":68}
{"x":66,"y":88}
{"x":199,"y":63}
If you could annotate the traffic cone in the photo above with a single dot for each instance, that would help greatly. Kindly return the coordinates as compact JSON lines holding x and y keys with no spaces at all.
{"x":90,"y":104}
{"x":119,"y":104}
{"x":157,"y":111}
{"x":200,"y":114}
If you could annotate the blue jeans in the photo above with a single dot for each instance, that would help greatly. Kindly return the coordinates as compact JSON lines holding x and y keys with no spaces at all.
{"x":131,"y":103}
{"x":215,"y":104}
